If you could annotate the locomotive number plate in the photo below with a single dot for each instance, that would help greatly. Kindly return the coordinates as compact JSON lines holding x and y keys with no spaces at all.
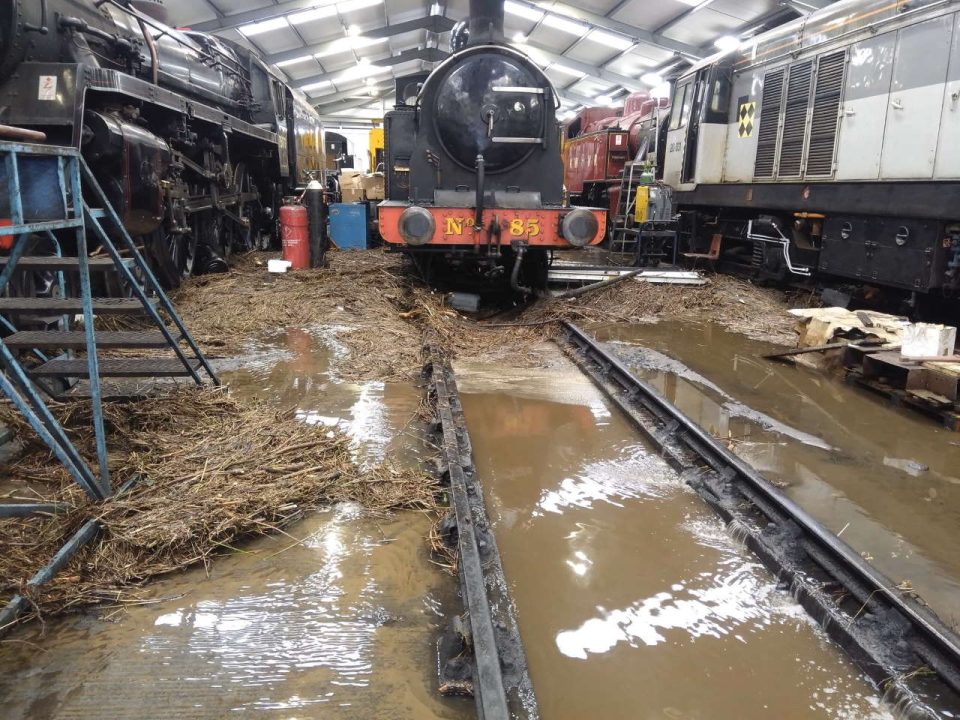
{"x":517,"y":227}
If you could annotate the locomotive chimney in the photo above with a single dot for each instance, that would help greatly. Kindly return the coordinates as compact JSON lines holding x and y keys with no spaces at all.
{"x":486,"y":22}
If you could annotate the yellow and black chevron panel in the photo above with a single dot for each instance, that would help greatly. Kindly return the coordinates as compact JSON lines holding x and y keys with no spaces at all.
{"x":746,"y":111}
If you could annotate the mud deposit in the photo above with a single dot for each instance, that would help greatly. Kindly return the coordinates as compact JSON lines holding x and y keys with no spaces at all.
{"x":337,"y":618}
{"x":633,"y":601}
{"x":887,"y":480}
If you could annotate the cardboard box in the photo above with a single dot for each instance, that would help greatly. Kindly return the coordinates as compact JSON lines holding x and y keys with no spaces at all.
{"x":372,"y":186}
{"x":350,"y":195}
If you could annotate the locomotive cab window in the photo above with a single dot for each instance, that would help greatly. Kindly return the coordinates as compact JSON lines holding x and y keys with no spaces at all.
{"x":718,"y":104}
{"x":681,"y":106}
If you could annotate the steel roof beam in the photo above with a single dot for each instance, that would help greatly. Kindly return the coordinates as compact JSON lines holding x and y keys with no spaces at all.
{"x":252,"y":16}
{"x":350,"y":102}
{"x":351,"y":92}
{"x":634,"y":33}
{"x":431,"y":23}
{"x":631,"y":84}
{"x":430,"y":55}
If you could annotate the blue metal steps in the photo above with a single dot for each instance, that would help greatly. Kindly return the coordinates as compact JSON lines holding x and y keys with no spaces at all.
{"x":56,"y":262}
{"x":57,"y":209}
{"x":58,"y":306}
{"x":116,"y":367}
{"x":77,"y":339}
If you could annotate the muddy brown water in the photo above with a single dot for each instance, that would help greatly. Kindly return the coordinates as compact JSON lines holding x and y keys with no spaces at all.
{"x":633,"y":601}
{"x":343,"y":624}
{"x":887,"y":479}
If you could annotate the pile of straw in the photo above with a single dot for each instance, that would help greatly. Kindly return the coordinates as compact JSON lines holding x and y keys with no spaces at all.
{"x":357,"y":297}
{"x":734,"y":303}
{"x":216,"y":470}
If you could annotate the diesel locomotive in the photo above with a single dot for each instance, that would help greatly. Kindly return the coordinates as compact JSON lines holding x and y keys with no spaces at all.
{"x":828,"y":147}
{"x":474,"y":179}
{"x":193,"y":137}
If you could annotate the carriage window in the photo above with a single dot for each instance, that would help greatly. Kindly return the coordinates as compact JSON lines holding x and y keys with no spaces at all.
{"x":681,"y":106}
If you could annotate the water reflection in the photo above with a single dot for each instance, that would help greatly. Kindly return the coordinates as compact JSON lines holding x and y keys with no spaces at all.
{"x":890,"y":483}
{"x":633,"y":600}
{"x":292,"y":370}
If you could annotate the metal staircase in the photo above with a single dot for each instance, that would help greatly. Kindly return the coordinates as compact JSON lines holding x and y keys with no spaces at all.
{"x":624,"y":233}
{"x":47,"y":190}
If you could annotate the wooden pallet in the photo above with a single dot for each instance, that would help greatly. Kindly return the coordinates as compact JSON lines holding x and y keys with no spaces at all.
{"x":931,"y":388}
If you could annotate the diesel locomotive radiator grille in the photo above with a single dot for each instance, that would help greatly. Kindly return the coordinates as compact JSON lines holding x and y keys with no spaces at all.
{"x":826,"y":105}
{"x":770,"y":103}
{"x":795,"y":119}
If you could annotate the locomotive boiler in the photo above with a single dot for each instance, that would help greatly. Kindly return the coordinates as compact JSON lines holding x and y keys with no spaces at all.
{"x":596,"y":150}
{"x":193,"y":137}
{"x":828,"y":147}
{"x":474,"y":175}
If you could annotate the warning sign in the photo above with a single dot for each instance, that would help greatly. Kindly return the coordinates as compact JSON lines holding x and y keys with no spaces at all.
{"x":48,"y":88}
{"x":746,"y":111}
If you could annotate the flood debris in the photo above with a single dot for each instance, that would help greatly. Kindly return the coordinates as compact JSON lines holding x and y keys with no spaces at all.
{"x":357,"y":298}
{"x":213,"y":471}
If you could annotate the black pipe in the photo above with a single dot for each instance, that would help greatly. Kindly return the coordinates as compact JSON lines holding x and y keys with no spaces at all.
{"x":520,"y":249}
{"x":317,"y":222}
{"x":485,"y":25}
{"x":478,"y":212}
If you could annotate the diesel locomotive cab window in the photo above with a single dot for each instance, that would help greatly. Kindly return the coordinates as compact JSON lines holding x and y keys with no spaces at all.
{"x":681,"y":107}
{"x":719,"y":102}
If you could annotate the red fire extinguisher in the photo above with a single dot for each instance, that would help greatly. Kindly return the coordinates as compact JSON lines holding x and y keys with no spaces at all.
{"x":295,"y":236}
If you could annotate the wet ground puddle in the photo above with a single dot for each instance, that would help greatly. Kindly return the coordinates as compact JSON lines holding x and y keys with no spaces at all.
{"x":337,"y":619}
{"x":633,"y":600}
{"x":887,"y":480}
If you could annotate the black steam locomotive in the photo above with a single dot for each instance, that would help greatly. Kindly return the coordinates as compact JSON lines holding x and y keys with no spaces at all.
{"x":474,"y":183}
{"x":193,"y":137}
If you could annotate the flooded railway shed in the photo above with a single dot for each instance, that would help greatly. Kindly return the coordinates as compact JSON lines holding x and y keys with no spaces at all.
{"x":489,"y":359}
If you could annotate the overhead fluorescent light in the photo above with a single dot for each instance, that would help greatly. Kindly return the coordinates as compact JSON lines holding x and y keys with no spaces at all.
{"x":727,"y":43}
{"x":345,"y":7}
{"x":566,"y":70}
{"x":263,"y":26}
{"x":661,"y":91}
{"x":317,"y":13}
{"x":651,"y":79}
{"x":435,"y":9}
{"x":564,"y":24}
{"x":519,"y":38}
{"x":347,"y":44}
{"x":315,"y":86}
{"x":361,"y":70}
{"x":620,"y":42}
{"x":524,"y":11}
{"x":294,"y":61}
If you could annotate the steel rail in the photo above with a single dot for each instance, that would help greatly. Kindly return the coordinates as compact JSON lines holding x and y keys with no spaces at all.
{"x":886,"y":631}
{"x":501,"y":682}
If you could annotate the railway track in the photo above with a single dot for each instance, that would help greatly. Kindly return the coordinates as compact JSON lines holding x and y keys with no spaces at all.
{"x":899,"y":643}
{"x":486,"y":658}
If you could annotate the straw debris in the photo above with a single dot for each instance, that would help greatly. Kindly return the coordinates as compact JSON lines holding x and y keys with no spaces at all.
{"x":215,"y":471}
{"x":356,"y":297}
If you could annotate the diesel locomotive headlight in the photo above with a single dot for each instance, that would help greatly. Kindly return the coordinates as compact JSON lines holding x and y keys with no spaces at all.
{"x":579,"y":227}
{"x":416,"y":226}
